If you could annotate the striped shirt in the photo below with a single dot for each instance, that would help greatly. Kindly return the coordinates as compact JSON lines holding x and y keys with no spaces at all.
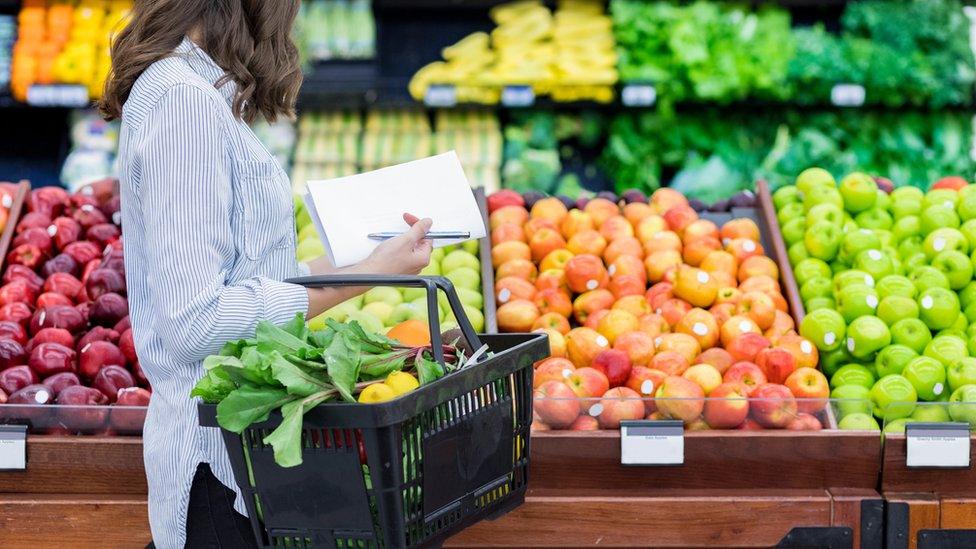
{"x":209,"y":235}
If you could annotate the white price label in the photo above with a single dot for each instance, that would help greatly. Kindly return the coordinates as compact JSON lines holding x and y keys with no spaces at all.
{"x":13,"y":447}
{"x":652,"y":443}
{"x":60,"y":95}
{"x":942,"y":445}
{"x":638,"y":95}
{"x":518,"y":96}
{"x":847,"y":95}
{"x":440,"y":95}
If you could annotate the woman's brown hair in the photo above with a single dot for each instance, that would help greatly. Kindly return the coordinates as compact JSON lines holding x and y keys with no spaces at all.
{"x":249,"y":39}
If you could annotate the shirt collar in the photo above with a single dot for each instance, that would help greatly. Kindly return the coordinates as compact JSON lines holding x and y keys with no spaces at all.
{"x":204,"y":65}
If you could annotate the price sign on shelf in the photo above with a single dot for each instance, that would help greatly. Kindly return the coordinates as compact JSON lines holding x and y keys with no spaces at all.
{"x":652,"y":443}
{"x":440,"y":95}
{"x":58,"y":95}
{"x":847,"y":95}
{"x":937,"y":445}
{"x":13,"y":447}
{"x":518,"y":96}
{"x":638,"y":95}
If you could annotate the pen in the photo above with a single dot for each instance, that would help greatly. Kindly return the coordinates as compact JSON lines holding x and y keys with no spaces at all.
{"x":434,"y":235}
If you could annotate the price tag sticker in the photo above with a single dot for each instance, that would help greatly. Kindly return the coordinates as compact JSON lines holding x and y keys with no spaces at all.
{"x":58,"y":95}
{"x":652,"y":443}
{"x":518,"y":96}
{"x":937,"y":445}
{"x":13,"y":447}
{"x":440,"y":95}
{"x":638,"y":95}
{"x":847,"y":95}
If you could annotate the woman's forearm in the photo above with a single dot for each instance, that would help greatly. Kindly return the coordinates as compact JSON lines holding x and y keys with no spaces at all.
{"x":323,"y":299}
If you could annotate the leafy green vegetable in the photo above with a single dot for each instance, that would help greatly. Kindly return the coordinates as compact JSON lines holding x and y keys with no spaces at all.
{"x":249,"y":404}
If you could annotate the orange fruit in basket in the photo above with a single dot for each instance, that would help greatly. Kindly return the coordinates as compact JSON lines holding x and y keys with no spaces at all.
{"x":411,"y":332}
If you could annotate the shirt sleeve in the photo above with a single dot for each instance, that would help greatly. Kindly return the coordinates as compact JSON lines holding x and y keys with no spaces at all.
{"x":187,"y":199}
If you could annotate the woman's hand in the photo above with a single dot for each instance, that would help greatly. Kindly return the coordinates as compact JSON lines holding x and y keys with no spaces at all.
{"x":406,"y":254}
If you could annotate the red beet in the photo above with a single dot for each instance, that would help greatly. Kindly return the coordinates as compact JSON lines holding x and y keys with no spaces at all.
{"x":16,"y":312}
{"x":19,"y":272}
{"x":17,"y":291}
{"x":50,"y":299}
{"x":13,"y":331}
{"x":64,"y":230}
{"x":61,"y":263}
{"x":123,"y":325}
{"x":128,"y":346}
{"x":104,"y":281}
{"x":65,"y":284}
{"x":48,"y":359}
{"x":32,"y":394}
{"x":103,"y":233}
{"x":27,"y":255}
{"x":34,"y":220}
{"x":112,"y":378}
{"x":52,"y":335}
{"x":16,"y":378}
{"x":108,"y":309}
{"x":97,"y":355}
{"x":11,"y":354}
{"x":58,"y":316}
{"x":59,"y":382}
{"x":50,"y":201}
{"x":38,"y":237}
{"x":133,"y":396}
{"x":98,"y":333}
{"x":88,"y":216}
{"x":83,"y":251}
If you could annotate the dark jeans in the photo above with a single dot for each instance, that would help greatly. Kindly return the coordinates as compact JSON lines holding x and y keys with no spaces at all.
{"x":211,"y":521}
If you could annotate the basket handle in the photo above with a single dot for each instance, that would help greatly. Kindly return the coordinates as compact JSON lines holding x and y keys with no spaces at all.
{"x":430,"y":283}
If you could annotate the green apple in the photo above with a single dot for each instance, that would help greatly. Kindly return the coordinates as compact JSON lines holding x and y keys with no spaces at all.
{"x":432,"y":269}
{"x":857,"y":300}
{"x":465,"y":277}
{"x":893,"y":397}
{"x":931,"y":413}
{"x":886,"y":237}
{"x":822,"y":195}
{"x":810,"y":268}
{"x":883,"y":201}
{"x":851,"y":399}
{"x":859,"y":192}
{"x":831,"y":361}
{"x":380,"y":310}
{"x":823,"y":240}
{"x":858,"y":422}
{"x":941,"y":197}
{"x":816,"y":287}
{"x":912,"y":333}
{"x":813,"y":177}
{"x":852,"y":277}
{"x":475,"y":317}
{"x":875,"y":263}
{"x":874,"y":219}
{"x":895,"y":307}
{"x":837,"y":266}
{"x":966,"y":207}
{"x":369,"y":323}
{"x":339,"y":313}
{"x":926,"y":277}
{"x":384,"y":294}
{"x":897,"y":267}
{"x":307,"y":232}
{"x":825,"y":328}
{"x":825,"y":212}
{"x":937,"y":217}
{"x":961,"y":372}
{"x":944,"y":239}
{"x":420,"y":304}
{"x":856,"y":242}
{"x":927,"y":375}
{"x":408,"y":311}
{"x":410,"y":294}
{"x":471,"y":246}
{"x":852,"y":374}
{"x":470,"y":298}
{"x":819,"y":303}
{"x":905,"y":208}
{"x":794,"y":230}
{"x":797,"y":253}
{"x":968,"y":294}
{"x":909,"y":193}
{"x":458,"y":259}
{"x":911,"y":247}
{"x":905,"y":227}
{"x":896,"y":426}
{"x":957,"y":267}
{"x":947,"y":349}
{"x":787,"y":194}
{"x":793,"y":210}
{"x":968,"y":229}
{"x":895,"y":285}
{"x":308,"y":249}
{"x":893,"y":359}
{"x":962,"y":405}
{"x":866,"y":336}
{"x":938,"y":307}
{"x":437,"y":255}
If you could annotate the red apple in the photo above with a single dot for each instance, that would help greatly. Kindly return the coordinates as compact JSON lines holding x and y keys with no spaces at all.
{"x":727,"y":406}
{"x":556,"y":404}
{"x":620,"y":404}
{"x":746,"y":373}
{"x":615,"y":365}
{"x":773,"y":405}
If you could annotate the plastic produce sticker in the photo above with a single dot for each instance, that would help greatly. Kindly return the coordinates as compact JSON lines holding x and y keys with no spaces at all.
{"x":638,"y":95}
{"x":13,"y":447}
{"x":652,"y":443}
{"x":942,"y":445}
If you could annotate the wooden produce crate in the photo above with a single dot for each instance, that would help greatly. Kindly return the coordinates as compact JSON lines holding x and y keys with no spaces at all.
{"x":487,"y":271}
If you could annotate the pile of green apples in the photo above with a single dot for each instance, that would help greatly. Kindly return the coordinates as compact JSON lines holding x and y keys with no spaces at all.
{"x":886,"y":279}
{"x":381,"y":308}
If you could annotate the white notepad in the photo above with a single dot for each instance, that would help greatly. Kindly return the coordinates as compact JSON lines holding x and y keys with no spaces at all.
{"x":346,"y":210}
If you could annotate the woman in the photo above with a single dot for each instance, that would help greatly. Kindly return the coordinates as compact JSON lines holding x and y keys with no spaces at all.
{"x":209,"y":229}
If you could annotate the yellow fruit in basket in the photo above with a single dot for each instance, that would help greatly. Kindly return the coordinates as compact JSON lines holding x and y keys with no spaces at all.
{"x":401,"y":382}
{"x":377,"y":392}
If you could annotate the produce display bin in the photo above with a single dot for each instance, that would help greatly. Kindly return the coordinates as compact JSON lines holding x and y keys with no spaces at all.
{"x":463,"y":442}
{"x":7,"y":236}
{"x":487,"y":272}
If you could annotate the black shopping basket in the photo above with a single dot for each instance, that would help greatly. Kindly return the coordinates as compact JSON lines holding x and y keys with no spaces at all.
{"x":405,"y":473}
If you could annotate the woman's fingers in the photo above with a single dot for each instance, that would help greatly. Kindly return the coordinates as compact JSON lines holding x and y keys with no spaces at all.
{"x":418,"y":230}
{"x":410,"y":219}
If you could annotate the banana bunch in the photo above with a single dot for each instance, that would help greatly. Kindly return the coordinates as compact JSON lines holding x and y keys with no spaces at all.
{"x":569,"y":55}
